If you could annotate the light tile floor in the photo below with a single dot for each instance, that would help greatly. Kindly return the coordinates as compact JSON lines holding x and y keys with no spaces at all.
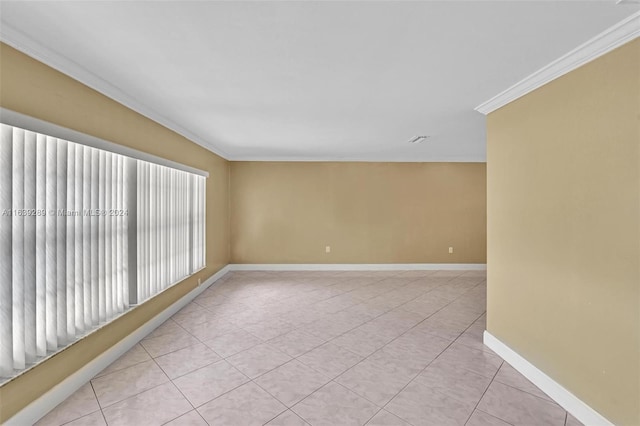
{"x":318,"y":348}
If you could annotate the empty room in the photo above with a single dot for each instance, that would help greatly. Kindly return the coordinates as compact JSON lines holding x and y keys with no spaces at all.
{"x":382,"y":213}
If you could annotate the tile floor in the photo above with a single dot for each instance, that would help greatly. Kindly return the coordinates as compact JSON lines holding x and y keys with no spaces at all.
{"x":318,"y":348}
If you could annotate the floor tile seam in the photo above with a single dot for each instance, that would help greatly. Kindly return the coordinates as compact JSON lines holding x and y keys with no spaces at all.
{"x":477,"y":318}
{"x":495,"y":417}
{"x":333,"y":380}
{"x":429,"y":316}
{"x":84,"y":415}
{"x":95,"y":395}
{"x":483,"y":393}
{"x":197,"y":407}
{"x":287,"y":407}
{"x":293,"y":412}
{"x":456,"y":342}
{"x":98,"y":376}
{"x":183,"y":414}
{"x":295,"y":357}
{"x":285,"y":410}
{"x":166,"y":336}
{"x":374,"y":414}
{"x":120,"y":370}
{"x":471,"y":347}
{"x":183,"y":327}
{"x":549,"y":401}
{"x":261,"y":374}
{"x":131,"y":396}
{"x":189,"y":372}
{"x":265,"y":341}
{"x":424,"y":293}
{"x":382,"y":347}
{"x":319,"y":389}
{"x":199,"y":342}
{"x":421,"y":371}
{"x":318,"y":371}
{"x":250,"y":381}
{"x":357,"y":393}
{"x":175,"y":350}
{"x":183,"y":395}
{"x":221,"y":334}
{"x":224,"y":334}
{"x":272,"y":395}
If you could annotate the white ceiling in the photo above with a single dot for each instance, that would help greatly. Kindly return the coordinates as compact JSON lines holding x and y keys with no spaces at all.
{"x":309,"y":80}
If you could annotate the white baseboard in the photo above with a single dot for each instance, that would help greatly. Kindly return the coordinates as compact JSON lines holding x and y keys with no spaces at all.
{"x":357,"y":266}
{"x":574,"y":405}
{"x":41,"y":406}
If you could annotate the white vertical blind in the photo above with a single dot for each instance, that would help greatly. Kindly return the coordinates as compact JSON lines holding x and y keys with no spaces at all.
{"x":66,"y":232}
{"x":167,"y":222}
{"x":47,"y":185}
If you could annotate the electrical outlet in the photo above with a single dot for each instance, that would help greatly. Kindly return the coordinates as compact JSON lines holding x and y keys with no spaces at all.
{"x":450,"y":250}
{"x":327,"y":249}
{"x":199,"y":281}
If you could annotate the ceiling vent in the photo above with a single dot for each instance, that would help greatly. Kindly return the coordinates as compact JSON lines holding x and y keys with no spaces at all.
{"x":418,"y":139}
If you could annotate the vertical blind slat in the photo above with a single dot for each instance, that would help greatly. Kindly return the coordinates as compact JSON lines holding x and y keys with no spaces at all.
{"x":51,"y":244}
{"x":119,"y":233}
{"x":107,"y":237}
{"x":18,"y":248}
{"x":79,"y":241}
{"x":41,"y":241}
{"x":61,"y":241}
{"x":86,"y":237}
{"x":161,"y":227}
{"x":30,"y":247}
{"x":6,"y":258}
{"x":93,"y":205}
{"x":141,"y":231}
{"x":102,"y":314}
{"x":71,"y":240}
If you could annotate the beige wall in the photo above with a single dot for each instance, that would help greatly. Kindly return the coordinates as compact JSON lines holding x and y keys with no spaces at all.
{"x":563,"y":194}
{"x":29,"y":87}
{"x":366,"y":212}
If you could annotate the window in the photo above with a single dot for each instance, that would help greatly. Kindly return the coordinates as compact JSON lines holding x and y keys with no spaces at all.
{"x":86,"y":233}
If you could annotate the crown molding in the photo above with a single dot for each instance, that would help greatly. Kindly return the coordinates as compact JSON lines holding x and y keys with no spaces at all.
{"x":613,"y":37}
{"x":30,"y":47}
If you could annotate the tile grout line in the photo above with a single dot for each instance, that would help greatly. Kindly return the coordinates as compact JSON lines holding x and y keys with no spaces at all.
{"x":252,"y":380}
{"x":371,"y":319}
{"x":325,"y":315}
{"x":548,"y":401}
{"x":483,"y":393}
{"x":328,"y":341}
{"x":431,"y":362}
{"x":98,"y":401}
{"x":382,"y":408}
{"x":330,"y":381}
{"x":102,"y":408}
